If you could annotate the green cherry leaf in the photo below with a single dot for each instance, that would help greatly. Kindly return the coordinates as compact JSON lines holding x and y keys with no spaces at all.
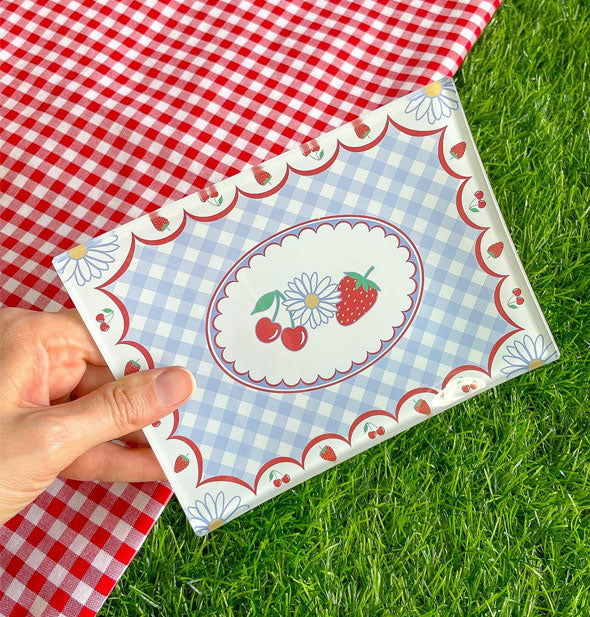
{"x":264,"y":302}
{"x":107,"y":311}
{"x":220,"y":201}
{"x":366,"y":428}
{"x":320,"y":155}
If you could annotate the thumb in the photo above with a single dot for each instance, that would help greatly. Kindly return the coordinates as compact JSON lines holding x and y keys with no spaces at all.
{"x":122,"y":406}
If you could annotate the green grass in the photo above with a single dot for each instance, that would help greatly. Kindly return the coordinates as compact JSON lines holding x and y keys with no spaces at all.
{"x":483,"y":510}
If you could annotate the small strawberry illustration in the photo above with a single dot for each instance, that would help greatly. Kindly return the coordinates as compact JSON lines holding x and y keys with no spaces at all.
{"x":328,"y":454}
{"x":421,"y":406}
{"x":361,"y":129}
{"x":160,"y":223}
{"x":495,"y":250}
{"x":262,"y":176}
{"x":458,"y":150}
{"x":180,"y":463}
{"x":132,"y":366}
{"x":357,"y":296}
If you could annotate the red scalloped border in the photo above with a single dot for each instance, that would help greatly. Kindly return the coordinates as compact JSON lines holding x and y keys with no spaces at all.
{"x":290,"y":169}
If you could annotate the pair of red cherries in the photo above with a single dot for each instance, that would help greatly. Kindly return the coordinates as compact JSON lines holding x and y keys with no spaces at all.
{"x":268,"y":331}
{"x":277,"y":479}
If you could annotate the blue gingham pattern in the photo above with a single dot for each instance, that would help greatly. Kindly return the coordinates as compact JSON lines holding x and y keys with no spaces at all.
{"x":167,"y":290}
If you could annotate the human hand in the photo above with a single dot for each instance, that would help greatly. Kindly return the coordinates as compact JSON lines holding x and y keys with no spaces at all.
{"x":60,"y":408}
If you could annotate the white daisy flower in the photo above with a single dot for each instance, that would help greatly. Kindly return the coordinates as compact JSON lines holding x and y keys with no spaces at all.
{"x":311,"y":301}
{"x":87,"y":261}
{"x":211,"y":513}
{"x":433,"y":101}
{"x":527,"y":355}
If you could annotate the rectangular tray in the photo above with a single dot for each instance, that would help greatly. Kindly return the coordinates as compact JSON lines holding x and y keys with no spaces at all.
{"x":325,"y":301}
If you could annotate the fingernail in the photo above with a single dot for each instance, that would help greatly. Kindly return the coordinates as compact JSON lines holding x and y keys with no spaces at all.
{"x":174,"y":386}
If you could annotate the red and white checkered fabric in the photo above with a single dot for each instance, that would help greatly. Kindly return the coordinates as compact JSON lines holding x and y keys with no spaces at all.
{"x":110,"y":108}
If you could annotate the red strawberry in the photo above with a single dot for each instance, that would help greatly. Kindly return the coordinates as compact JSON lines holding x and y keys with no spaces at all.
{"x":458,"y":150}
{"x":328,"y":454}
{"x":357,"y":296}
{"x":262,"y":176}
{"x":496,"y":250}
{"x":180,"y":463}
{"x":421,"y":406}
{"x":160,"y":223}
{"x":361,"y":129}
{"x":131,"y":367}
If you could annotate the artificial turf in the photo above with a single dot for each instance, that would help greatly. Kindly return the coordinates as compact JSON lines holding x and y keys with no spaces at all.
{"x":483,"y":510}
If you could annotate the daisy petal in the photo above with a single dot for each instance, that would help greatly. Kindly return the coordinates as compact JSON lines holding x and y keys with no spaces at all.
{"x":314,"y":283}
{"x":220,"y":504}
{"x":323,"y":285}
{"x":305,"y":317}
{"x":207,"y":515}
{"x":231,"y":506}
{"x":415,"y":102}
{"x":300,"y":286}
{"x":423,"y":108}
{"x":208,"y":499}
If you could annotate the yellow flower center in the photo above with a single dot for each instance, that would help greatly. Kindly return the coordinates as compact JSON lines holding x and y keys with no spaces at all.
{"x":216,"y":524}
{"x":432,"y":89}
{"x":312,"y":300}
{"x":536,"y":364}
{"x":78,"y":252}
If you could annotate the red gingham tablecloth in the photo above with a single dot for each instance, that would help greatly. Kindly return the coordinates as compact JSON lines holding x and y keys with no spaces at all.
{"x":110,"y":108}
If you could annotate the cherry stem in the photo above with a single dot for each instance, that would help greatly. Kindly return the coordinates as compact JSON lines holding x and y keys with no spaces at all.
{"x":291,"y":318}
{"x":278,"y":304}
{"x":368,"y":272}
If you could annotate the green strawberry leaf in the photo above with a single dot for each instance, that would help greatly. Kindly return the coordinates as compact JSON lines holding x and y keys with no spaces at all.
{"x":373,"y":285}
{"x":264,"y":302}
